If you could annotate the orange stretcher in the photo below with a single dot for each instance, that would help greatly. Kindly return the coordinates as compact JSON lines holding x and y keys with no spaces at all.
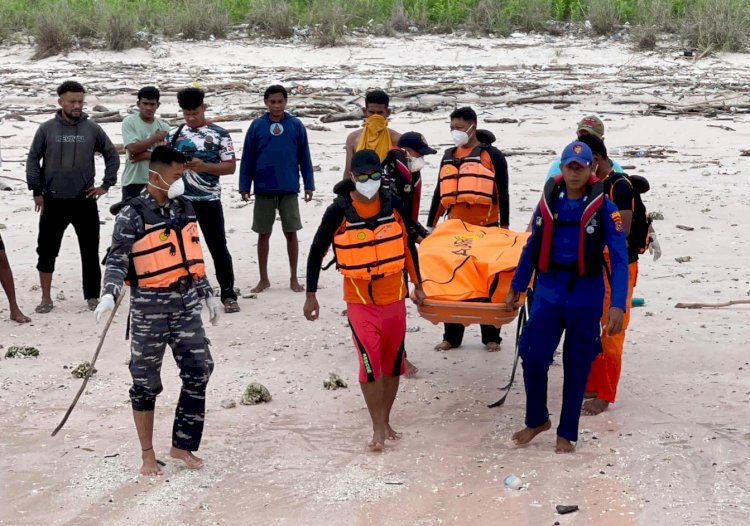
{"x":466,"y":273}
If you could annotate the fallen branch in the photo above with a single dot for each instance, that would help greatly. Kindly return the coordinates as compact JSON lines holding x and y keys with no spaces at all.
{"x":711,"y":305}
{"x":93,"y":362}
{"x":355,"y":115}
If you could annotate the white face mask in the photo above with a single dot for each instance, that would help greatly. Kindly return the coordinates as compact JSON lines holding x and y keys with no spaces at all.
{"x":369,"y":188}
{"x":174,"y":190}
{"x":460,"y":138}
{"x":416,"y":164}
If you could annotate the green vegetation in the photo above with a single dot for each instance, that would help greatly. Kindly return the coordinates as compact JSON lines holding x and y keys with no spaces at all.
{"x":709,"y":25}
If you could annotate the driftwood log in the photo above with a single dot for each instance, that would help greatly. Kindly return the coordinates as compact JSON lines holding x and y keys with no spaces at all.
{"x":711,"y":305}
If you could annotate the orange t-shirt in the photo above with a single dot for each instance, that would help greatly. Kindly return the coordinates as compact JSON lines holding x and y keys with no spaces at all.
{"x":388,"y":289}
{"x":475,"y":214}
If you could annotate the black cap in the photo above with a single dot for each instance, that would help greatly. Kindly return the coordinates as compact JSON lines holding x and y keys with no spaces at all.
{"x":416,"y":142}
{"x":365,"y":161}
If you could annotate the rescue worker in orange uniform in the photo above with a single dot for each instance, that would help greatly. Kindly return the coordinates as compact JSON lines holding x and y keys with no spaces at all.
{"x":156,"y":250}
{"x":605,"y":369}
{"x":473,"y":187}
{"x":374,"y":254}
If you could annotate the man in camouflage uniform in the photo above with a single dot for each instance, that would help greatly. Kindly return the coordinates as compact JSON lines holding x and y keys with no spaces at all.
{"x":165,"y":303}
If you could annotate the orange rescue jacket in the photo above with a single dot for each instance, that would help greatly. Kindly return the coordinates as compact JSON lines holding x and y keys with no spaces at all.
{"x":166,"y":253}
{"x":369,"y":248}
{"x":466,"y":180}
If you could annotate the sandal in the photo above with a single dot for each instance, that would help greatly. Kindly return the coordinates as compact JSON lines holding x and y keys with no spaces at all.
{"x":92,"y":303}
{"x":44,"y":308}
{"x":230,"y":306}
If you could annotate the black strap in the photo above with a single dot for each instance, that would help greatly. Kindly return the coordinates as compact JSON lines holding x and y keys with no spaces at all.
{"x":176,"y":136}
{"x":523,"y":315}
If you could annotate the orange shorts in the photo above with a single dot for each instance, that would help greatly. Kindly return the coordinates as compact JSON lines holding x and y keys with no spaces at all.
{"x":378,"y":332}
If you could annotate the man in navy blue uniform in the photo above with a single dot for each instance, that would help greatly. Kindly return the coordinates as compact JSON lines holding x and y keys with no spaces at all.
{"x":571,"y":227}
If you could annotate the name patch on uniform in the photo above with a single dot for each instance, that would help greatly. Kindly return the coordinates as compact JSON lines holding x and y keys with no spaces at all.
{"x":617,"y":218}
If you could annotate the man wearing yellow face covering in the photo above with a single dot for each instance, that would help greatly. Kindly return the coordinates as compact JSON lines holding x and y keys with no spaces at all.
{"x":375,"y":134}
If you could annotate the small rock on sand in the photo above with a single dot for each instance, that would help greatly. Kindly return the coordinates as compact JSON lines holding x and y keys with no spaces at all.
{"x":334,"y":382}
{"x":82,"y":370}
{"x":228,"y":404}
{"x":21,"y":351}
{"x":255,"y":393}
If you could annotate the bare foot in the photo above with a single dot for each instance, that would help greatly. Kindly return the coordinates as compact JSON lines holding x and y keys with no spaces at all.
{"x":18,"y":316}
{"x":410,"y":370}
{"x":493,"y":347}
{"x":92,"y":303}
{"x":527,"y":434}
{"x":564,"y":446}
{"x":187,"y":457}
{"x":391,"y":434}
{"x":261,"y":286}
{"x":443,"y":346}
{"x":378,"y":440}
{"x":150,"y":467}
{"x":589,"y":394}
{"x":594,"y":406}
{"x":295,"y":286}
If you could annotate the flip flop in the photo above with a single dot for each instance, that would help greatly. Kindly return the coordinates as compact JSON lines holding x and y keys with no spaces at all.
{"x":230,"y":306}
{"x":43,"y":308}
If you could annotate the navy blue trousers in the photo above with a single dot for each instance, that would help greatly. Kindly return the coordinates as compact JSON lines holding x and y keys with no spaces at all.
{"x":547,"y":321}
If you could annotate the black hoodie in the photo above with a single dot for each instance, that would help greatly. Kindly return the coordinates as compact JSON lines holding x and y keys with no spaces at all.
{"x":66,"y":152}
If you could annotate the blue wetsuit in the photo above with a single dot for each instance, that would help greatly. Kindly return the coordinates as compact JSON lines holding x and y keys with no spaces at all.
{"x":564,"y":301}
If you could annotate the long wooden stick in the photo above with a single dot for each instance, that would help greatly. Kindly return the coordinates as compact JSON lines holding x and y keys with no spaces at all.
{"x":93,"y":361}
{"x":711,"y":305}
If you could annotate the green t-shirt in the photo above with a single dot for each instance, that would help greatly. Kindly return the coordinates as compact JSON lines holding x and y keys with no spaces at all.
{"x":135,"y":130}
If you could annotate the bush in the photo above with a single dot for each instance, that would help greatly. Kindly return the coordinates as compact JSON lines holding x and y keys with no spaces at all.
{"x":716,"y":25}
{"x":657,"y":14}
{"x":329,"y":20}
{"x":645,"y":38}
{"x":52,"y":33}
{"x":119,"y":29}
{"x":604,"y":15}
{"x":272,"y":18}
{"x":399,"y":18}
{"x":197,"y":19}
{"x":488,"y":17}
{"x":529,"y":15}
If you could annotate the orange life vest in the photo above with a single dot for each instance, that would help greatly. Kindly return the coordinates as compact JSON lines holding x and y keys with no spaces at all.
{"x":166,"y":253}
{"x":465,"y":180}
{"x":369,"y":248}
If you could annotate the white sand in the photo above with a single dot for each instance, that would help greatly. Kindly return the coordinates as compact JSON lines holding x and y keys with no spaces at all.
{"x":672,"y":450}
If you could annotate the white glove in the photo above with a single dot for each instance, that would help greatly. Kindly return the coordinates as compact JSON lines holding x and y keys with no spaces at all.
{"x":654,"y":248}
{"x":214,"y":306}
{"x":105,"y":306}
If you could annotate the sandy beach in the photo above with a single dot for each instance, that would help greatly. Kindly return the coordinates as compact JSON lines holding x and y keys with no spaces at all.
{"x":673,"y":450}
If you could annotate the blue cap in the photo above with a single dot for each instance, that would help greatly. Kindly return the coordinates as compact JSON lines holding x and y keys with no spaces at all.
{"x":577,"y":152}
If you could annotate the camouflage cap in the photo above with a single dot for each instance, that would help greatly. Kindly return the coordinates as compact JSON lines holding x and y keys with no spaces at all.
{"x":593,"y":125}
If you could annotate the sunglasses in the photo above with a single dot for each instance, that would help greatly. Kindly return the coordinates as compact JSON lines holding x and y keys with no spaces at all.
{"x":362,"y":178}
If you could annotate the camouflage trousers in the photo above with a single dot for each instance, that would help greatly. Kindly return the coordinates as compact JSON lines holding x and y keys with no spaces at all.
{"x":182,"y":330}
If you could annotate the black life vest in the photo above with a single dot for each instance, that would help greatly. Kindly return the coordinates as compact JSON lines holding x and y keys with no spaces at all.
{"x":591,"y":229}
{"x":639,"y":237}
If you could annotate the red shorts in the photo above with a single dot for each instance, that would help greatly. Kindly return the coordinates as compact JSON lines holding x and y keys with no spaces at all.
{"x":378,"y":332}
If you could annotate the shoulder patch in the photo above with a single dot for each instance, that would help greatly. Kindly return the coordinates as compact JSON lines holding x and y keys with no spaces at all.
{"x":617,"y":218}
